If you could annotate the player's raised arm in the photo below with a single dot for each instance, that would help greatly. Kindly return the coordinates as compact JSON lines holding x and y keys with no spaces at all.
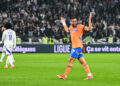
{"x":89,"y":28}
{"x":64,"y":24}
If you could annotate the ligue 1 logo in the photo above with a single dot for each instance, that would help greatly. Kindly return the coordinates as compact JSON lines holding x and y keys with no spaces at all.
{"x":61,"y":48}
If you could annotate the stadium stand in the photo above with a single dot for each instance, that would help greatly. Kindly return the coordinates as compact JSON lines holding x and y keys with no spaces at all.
{"x":34,"y":19}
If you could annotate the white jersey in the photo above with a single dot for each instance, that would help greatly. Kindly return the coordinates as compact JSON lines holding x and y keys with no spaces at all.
{"x":9,"y":38}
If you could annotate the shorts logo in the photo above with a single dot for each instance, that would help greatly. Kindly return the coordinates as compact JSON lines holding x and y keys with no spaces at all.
{"x":73,"y":50}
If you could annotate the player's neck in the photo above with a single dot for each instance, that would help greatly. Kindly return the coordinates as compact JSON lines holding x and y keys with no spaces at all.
{"x":74,"y":26}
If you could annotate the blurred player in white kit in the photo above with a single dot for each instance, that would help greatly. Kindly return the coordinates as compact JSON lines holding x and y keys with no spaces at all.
{"x":3,"y":51}
{"x":9,"y":41}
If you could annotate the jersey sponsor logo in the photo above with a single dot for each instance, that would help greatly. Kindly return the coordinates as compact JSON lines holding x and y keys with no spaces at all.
{"x":73,"y":30}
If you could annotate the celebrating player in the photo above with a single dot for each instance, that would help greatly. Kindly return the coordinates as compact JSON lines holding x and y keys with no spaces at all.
{"x":9,"y":41}
{"x":76,"y":31}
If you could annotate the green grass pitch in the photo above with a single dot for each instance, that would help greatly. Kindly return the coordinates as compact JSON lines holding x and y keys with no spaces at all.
{"x":41,"y":70}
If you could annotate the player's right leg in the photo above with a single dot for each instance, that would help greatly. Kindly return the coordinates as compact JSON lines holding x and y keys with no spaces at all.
{"x":3,"y":54}
{"x":86,"y":68}
{"x":68,"y":69}
{"x":7,"y":63}
{"x":10,"y":56}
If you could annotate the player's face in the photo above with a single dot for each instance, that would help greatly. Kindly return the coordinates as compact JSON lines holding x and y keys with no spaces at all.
{"x":74,"y":22}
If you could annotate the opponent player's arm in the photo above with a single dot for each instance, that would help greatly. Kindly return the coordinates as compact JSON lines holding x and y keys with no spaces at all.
{"x":3,"y":37}
{"x":89,"y":28}
{"x":0,"y":42}
{"x":64,"y":24}
{"x":14,"y":41}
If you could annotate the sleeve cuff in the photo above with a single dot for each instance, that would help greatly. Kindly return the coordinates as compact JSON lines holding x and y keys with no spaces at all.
{"x":84,"y":27}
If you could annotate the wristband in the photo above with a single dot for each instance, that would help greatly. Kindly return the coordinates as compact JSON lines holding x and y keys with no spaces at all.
{"x":63,"y":23}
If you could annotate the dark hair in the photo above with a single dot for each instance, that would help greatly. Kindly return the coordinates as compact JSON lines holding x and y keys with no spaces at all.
{"x":73,"y":17}
{"x":8,"y":25}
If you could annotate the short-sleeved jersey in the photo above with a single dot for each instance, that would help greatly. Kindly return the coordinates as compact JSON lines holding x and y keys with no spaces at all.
{"x":9,"y":38}
{"x":76,"y":35}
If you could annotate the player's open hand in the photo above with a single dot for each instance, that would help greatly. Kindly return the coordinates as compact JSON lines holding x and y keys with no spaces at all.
{"x":62,"y":19}
{"x":90,"y":16}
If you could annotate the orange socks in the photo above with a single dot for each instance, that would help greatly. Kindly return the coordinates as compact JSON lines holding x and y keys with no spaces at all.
{"x":86,"y":68}
{"x":68,"y":69}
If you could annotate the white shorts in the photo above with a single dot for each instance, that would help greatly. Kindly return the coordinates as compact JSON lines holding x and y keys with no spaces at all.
{"x":4,"y":48}
{"x":8,"y":49}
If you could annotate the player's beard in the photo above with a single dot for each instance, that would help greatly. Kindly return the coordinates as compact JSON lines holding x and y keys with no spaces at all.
{"x":74,"y":25}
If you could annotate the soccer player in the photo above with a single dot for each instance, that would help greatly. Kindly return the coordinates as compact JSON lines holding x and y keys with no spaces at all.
{"x":9,"y":40}
{"x":3,"y":51}
{"x":76,"y":31}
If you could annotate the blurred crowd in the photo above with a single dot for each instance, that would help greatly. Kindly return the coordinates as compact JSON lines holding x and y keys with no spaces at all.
{"x":38,"y":18}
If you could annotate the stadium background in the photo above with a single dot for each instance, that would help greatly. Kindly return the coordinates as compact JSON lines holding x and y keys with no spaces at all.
{"x":33,"y":20}
{"x":37,"y":24}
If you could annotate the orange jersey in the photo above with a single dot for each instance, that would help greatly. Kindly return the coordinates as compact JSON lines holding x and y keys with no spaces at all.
{"x":76,"y":35}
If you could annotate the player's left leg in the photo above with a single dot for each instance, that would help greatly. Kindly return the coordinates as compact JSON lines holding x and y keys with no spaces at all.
{"x":7,"y":63}
{"x":2,"y":56}
{"x":86,"y":68}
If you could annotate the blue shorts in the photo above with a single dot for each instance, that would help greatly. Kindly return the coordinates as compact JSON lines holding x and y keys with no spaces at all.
{"x":76,"y":53}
